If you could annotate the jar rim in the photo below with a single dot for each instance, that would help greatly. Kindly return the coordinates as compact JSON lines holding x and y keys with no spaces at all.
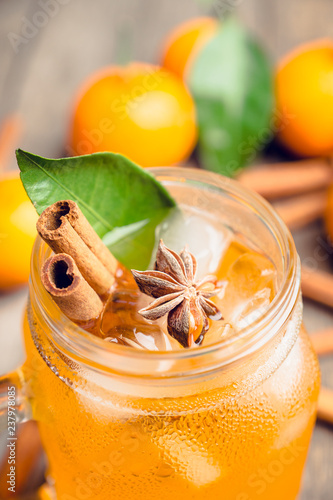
{"x":94,"y":352}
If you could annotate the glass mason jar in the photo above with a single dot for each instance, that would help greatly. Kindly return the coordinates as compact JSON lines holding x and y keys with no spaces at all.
{"x":233,"y":419}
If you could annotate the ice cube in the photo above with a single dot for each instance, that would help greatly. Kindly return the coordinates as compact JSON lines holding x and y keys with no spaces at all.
{"x":122,"y":324}
{"x":251,"y":309}
{"x":252,"y":272}
{"x":218,"y":331}
{"x":251,"y":285}
{"x":205,"y":236}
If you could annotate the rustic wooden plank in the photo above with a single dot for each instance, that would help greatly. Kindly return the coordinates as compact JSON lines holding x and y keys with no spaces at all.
{"x":318,"y":478}
{"x":283,"y":24}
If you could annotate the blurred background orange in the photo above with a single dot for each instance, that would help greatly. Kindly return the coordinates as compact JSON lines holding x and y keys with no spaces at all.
{"x":138,"y":110}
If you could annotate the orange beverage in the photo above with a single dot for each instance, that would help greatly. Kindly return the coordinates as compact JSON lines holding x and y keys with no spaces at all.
{"x":132,"y":414}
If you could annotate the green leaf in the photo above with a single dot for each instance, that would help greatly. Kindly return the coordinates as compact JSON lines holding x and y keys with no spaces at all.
{"x":123,"y":202}
{"x":232,"y":84}
{"x":135,"y":242}
{"x":206,"y":3}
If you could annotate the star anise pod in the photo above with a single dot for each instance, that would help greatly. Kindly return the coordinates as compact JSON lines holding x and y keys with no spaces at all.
{"x":177,"y":294}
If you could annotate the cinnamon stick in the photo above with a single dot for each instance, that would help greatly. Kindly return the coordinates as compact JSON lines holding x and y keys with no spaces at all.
{"x":290,"y":178}
{"x":325,"y":405}
{"x":318,"y":286}
{"x":88,"y":235}
{"x":66,"y":230}
{"x":322,"y":341}
{"x":70,"y":291}
{"x":302,"y":210}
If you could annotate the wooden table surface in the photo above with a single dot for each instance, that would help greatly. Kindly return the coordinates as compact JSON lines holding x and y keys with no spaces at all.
{"x":41,"y":71}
